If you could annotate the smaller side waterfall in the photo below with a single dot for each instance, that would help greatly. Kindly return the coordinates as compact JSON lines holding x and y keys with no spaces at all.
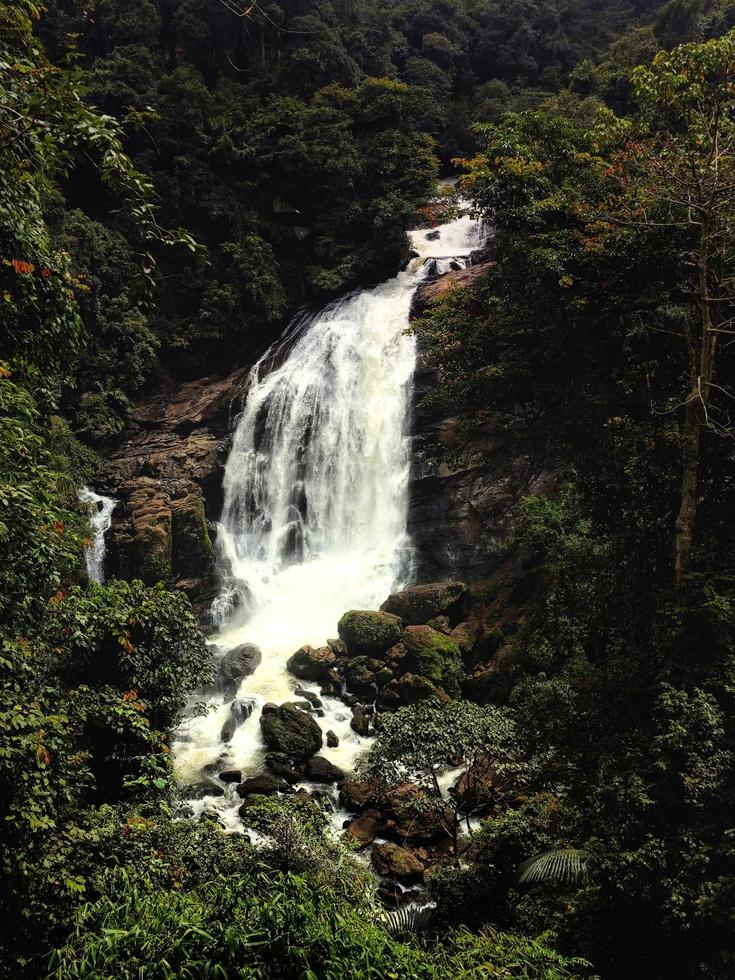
{"x":101,"y":509}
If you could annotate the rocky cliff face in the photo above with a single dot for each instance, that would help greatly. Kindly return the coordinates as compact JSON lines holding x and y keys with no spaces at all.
{"x":167,"y":475}
{"x":461,"y":512}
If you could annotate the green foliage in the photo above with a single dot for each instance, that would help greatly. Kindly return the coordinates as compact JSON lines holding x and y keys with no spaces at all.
{"x":134,"y":639}
{"x":575,"y":346}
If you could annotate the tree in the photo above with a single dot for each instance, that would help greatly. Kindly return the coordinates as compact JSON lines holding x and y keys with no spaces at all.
{"x":424,"y":741}
{"x":677,"y":169}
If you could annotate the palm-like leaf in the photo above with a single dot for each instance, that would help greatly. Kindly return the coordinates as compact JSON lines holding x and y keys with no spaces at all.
{"x":567,"y":864}
{"x":409,"y":918}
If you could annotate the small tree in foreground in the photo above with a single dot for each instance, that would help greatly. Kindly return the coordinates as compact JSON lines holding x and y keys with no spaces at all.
{"x":421,"y":743}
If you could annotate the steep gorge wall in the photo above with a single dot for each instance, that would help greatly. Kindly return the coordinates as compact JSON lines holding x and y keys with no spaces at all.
{"x":465,"y":482}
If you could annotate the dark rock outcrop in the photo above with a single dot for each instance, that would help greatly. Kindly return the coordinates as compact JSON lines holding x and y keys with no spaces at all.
{"x":466,"y":481}
{"x":167,"y":475}
{"x":421,"y":603}
{"x":321,"y":770}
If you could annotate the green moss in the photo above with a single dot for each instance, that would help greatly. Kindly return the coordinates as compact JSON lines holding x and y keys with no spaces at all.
{"x":435,"y":656}
{"x":291,"y":731}
{"x":192,"y":546}
{"x":152,"y":551}
{"x":369,"y":633}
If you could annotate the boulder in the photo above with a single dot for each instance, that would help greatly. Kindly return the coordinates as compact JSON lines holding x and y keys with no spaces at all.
{"x":332,"y":740}
{"x":435,"y":656}
{"x":412,"y":688}
{"x":357,"y":794}
{"x":231,"y":775}
{"x":362,"y":830}
{"x":291,"y":731}
{"x":313,"y":699}
{"x":321,"y":770}
{"x":237,"y":664}
{"x":338,"y":647}
{"x":359,"y":678}
{"x":263,"y":785}
{"x":369,"y":633}
{"x":360,"y":722}
{"x":205,"y":787}
{"x":392,"y":861}
{"x":311,"y":664}
{"x":280,"y":765}
{"x":420,"y":603}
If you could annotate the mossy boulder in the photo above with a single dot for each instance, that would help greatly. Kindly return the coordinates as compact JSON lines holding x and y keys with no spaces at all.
{"x":291,"y":731}
{"x":369,"y":633}
{"x":420,"y":603}
{"x":412,"y":688}
{"x":434,"y":656}
{"x":311,"y":663}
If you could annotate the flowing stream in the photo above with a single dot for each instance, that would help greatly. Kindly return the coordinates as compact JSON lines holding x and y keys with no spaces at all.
{"x":100,"y":509}
{"x":316,"y":495}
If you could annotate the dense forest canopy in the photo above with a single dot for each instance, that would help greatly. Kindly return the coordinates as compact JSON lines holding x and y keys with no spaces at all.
{"x":177,"y":178}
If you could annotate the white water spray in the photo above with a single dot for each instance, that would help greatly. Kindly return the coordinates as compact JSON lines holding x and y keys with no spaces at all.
{"x":101,"y":509}
{"x":316,"y":488}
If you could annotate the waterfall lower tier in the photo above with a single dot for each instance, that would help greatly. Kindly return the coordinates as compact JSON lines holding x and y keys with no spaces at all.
{"x":315,"y":507}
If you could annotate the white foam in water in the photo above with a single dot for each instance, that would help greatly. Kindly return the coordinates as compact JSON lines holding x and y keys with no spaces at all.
{"x":101,"y":509}
{"x":314,"y":519}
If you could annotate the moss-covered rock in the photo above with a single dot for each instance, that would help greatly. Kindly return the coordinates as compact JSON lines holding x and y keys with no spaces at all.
{"x":369,"y":633}
{"x":435,"y":656}
{"x":421,"y":603}
{"x":412,"y":688}
{"x":191,"y":545}
{"x":291,"y":731}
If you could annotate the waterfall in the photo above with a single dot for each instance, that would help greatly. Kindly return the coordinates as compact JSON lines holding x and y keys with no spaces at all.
{"x":101,"y":509}
{"x":316,"y":494}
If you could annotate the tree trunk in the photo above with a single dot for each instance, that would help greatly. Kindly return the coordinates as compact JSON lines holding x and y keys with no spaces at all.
{"x":696,"y":413}
{"x":690,"y":473}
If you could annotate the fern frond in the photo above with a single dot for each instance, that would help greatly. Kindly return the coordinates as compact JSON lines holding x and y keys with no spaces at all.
{"x":409,"y":918}
{"x":566,"y":864}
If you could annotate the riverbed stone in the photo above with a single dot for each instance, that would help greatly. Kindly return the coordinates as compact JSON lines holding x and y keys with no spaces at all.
{"x":321,"y":770}
{"x":360,"y":722}
{"x":263,"y":785}
{"x":332,"y":739}
{"x":362,"y":830}
{"x":231,"y":775}
{"x":369,"y":633}
{"x":238,"y":663}
{"x":359,"y":677}
{"x":393,"y":861}
{"x":292,"y":731}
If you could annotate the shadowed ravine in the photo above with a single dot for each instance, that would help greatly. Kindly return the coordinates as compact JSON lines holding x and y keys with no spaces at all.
{"x":314,"y":516}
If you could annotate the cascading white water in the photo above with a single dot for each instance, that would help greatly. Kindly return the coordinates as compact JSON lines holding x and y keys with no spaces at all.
{"x":101,"y":509}
{"x":314,"y":519}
